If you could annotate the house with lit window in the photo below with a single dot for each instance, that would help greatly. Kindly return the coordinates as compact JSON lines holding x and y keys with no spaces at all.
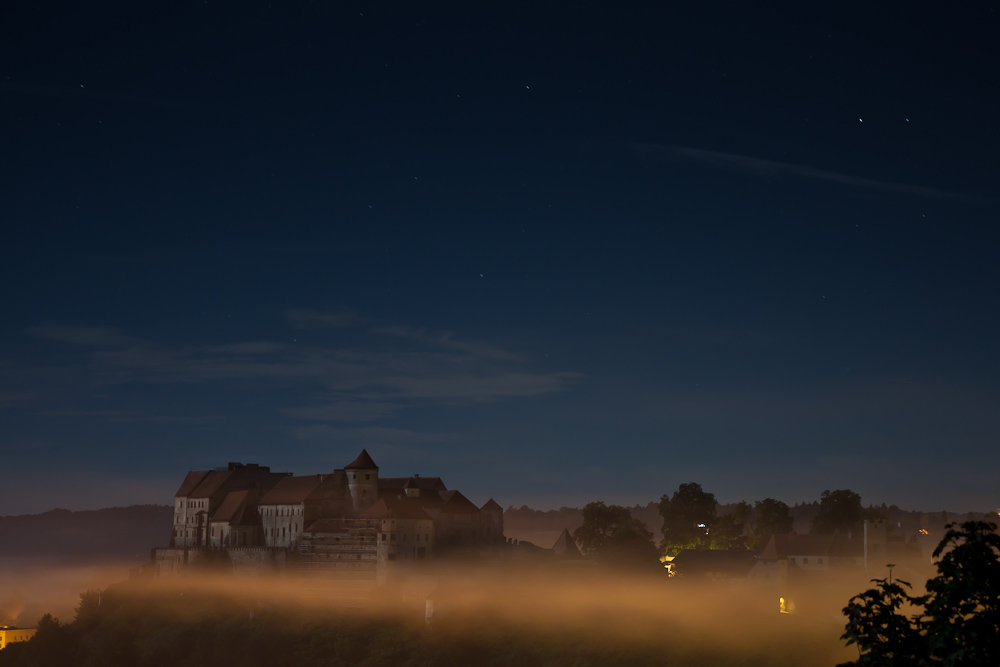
{"x":9,"y":635}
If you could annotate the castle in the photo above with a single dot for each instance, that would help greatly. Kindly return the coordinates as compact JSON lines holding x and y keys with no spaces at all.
{"x":347,"y":523}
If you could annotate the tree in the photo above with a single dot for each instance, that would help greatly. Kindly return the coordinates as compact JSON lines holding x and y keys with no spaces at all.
{"x":727,"y":532}
{"x":962,"y":617}
{"x":611,"y":532}
{"x":743,"y":513}
{"x":772,"y":517}
{"x":631,"y":545}
{"x":839,"y":512}
{"x":884,"y":636}
{"x":687,"y":517}
{"x":599,"y":523}
{"x":960,"y":621}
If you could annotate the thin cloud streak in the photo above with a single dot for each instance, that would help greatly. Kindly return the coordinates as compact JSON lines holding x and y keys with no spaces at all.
{"x":354,"y":384}
{"x":764,"y":168}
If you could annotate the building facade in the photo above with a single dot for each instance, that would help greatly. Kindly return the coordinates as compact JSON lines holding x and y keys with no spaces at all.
{"x":349,"y":521}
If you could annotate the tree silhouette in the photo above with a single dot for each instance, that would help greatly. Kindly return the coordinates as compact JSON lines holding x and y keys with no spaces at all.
{"x":615,"y":536}
{"x":599,"y":523}
{"x":839,"y":512}
{"x":960,"y":621}
{"x":771,"y":517}
{"x":688,"y":517}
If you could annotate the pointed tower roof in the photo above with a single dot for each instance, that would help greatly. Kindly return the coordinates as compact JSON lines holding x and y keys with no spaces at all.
{"x":491,"y":506}
{"x":364,"y":462}
{"x":565,"y":546}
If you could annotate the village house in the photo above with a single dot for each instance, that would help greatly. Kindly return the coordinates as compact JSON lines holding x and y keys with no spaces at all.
{"x":9,"y":635}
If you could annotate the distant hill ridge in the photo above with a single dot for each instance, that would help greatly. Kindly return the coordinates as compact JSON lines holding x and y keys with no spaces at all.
{"x":119,"y":534}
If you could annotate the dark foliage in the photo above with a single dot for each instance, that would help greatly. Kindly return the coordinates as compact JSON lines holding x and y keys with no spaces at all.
{"x":615,"y":537}
{"x":959,"y":623}
{"x":688,"y":517}
{"x":771,"y":517}
{"x":840,"y":511}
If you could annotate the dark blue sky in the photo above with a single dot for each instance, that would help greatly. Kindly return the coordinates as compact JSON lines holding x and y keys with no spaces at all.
{"x":553,"y":254}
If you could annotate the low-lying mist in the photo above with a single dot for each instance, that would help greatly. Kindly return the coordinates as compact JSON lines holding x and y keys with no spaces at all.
{"x":537,"y":612}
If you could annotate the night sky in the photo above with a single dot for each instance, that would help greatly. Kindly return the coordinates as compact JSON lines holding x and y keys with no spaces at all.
{"x":552,"y":253}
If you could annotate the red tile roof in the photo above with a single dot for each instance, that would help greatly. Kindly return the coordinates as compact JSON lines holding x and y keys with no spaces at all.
{"x":423,"y":483}
{"x":491,"y":505}
{"x":208,"y":483}
{"x":395,"y":509}
{"x":192,"y":480}
{"x":456,"y":503}
{"x":364,"y":462}
{"x":236,"y":510}
{"x":292,"y":490}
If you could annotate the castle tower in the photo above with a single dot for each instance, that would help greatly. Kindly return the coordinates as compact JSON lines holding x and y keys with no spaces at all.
{"x":362,"y":481}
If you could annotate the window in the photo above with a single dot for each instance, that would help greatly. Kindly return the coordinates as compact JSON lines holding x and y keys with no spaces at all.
{"x":367,"y":477}
{"x":819,"y":560}
{"x":805,"y":561}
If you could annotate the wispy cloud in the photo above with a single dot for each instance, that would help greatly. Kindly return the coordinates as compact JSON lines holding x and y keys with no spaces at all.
{"x":84,"y":336}
{"x":766,"y":168}
{"x":391,"y":369}
{"x":259,"y":347}
{"x":370,"y":435}
{"x":128,"y":416}
{"x":345,"y":410}
{"x":313,"y":319}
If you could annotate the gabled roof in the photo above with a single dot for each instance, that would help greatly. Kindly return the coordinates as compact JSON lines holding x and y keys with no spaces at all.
{"x":364,"y":462}
{"x":456,"y":503}
{"x":292,"y":490}
{"x":191,"y":481}
{"x":394,"y":509}
{"x":235,"y":509}
{"x":565,"y":545}
{"x":210,"y":483}
{"x":493,"y":506}
{"x":780,"y":547}
{"x":423,"y":483}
